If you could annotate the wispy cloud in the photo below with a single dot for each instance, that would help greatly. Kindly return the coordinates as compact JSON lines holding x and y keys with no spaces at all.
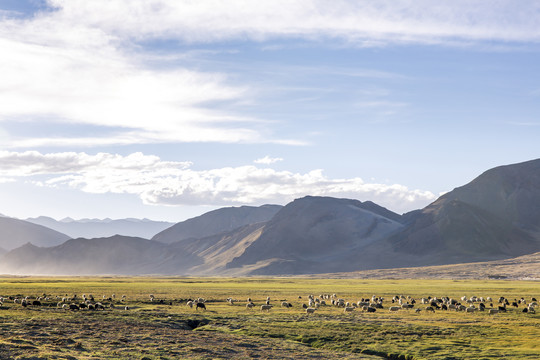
{"x":175,"y":183}
{"x":362,"y":22}
{"x":85,"y":62}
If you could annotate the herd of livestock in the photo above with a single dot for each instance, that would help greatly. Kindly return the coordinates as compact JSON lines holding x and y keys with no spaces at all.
{"x":401,"y":302}
{"x":310,"y":304}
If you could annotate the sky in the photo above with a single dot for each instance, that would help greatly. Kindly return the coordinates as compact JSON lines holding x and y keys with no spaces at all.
{"x":166,"y":109}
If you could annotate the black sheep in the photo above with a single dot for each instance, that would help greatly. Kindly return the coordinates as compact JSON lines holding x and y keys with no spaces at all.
{"x":200,"y":305}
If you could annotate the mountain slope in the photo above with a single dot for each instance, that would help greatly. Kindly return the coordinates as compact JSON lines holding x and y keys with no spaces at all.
{"x":14,"y":233}
{"x":495,"y":216}
{"x":315,"y":234}
{"x":216,"y":222}
{"x":95,"y":228}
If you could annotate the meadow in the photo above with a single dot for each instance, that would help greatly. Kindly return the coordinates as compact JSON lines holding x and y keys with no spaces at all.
{"x":166,"y":328}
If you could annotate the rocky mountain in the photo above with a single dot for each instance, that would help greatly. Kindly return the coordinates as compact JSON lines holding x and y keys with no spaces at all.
{"x":495,"y":216}
{"x":317,"y":234}
{"x":96,"y":228}
{"x":15,"y":233}
{"x":217,"y":221}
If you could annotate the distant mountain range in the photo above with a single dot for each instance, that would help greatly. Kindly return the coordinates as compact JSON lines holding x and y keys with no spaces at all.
{"x":496,"y":216}
{"x":96,"y":228}
{"x":15,"y":233}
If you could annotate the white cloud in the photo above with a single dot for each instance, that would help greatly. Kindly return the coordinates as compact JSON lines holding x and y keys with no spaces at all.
{"x":362,"y":22}
{"x":175,"y":183}
{"x":84,"y":63}
{"x":267,"y":160}
{"x":56,"y":69}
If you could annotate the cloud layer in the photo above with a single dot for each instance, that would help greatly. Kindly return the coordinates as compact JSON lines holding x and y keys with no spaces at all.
{"x":84,"y":63}
{"x":175,"y":183}
{"x":420,"y":21}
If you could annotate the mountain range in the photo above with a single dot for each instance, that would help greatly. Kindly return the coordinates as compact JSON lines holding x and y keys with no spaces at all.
{"x":496,"y":216}
{"x":96,"y":228}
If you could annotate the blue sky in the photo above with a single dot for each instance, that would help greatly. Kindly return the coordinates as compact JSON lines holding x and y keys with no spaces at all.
{"x":167,"y":109}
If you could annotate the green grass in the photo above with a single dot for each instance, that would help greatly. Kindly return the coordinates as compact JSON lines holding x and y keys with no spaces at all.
{"x":155,"y":331}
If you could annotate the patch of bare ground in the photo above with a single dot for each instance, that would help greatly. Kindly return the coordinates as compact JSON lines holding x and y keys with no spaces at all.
{"x":148,"y":336}
{"x":525,"y":267}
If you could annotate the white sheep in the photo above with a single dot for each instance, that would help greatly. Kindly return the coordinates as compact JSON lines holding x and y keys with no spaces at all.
{"x":266,"y":307}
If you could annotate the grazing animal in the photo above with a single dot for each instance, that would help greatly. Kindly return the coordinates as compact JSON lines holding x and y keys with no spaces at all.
{"x":266,"y":307}
{"x":36,"y":303}
{"x":190,"y":304}
{"x":286,"y":304}
{"x":250,"y":305}
{"x":310,"y":310}
{"x":429,"y":308}
{"x":394,"y":308}
{"x":200,"y":305}
{"x":73,"y":307}
{"x":493,"y":311}
{"x":348,"y":309}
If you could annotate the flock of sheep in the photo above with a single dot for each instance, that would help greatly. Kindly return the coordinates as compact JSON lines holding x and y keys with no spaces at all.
{"x":309,"y":305}
{"x":397,"y":303}
{"x":67,"y":302}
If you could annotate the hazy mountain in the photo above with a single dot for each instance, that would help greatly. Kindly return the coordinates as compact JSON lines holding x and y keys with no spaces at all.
{"x":216,"y":222}
{"x":14,"y":233}
{"x":95,"y":228}
{"x":113,"y":255}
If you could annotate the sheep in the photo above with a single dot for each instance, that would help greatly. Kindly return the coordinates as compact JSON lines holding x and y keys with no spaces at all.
{"x":348,"y":309}
{"x":200,"y":305}
{"x":493,"y":311}
{"x":471,"y":309}
{"x":250,"y":305}
{"x":286,"y":304}
{"x":417,"y":311}
{"x":394,"y":308}
{"x":310,"y":310}
{"x":266,"y":307}
{"x":429,"y":308}
{"x":190,"y":303}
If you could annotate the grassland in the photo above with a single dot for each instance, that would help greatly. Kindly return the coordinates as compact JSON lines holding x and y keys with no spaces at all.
{"x":172,"y":330}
